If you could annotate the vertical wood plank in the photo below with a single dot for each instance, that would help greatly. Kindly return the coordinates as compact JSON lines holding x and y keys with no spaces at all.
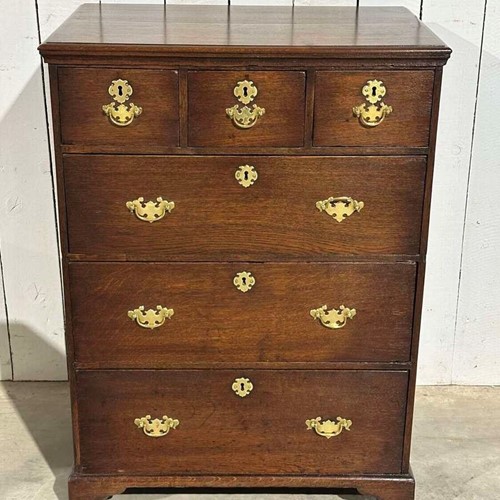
{"x":477,"y":346}
{"x":198,"y":2}
{"x":459,"y":24}
{"x":319,"y":3}
{"x":27,"y":220}
{"x":261,"y":2}
{"x":135,"y":1}
{"x":413,"y":5}
{"x":5,"y":361}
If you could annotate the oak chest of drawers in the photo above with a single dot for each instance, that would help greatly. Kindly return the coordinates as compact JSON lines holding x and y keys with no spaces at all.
{"x":243,"y":199}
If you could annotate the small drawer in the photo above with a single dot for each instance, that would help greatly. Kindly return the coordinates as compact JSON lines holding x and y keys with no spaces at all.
{"x":121,"y":109}
{"x":377,"y":108}
{"x":240,"y":312}
{"x":283,"y":422}
{"x":243,"y":208}
{"x":240,"y":108}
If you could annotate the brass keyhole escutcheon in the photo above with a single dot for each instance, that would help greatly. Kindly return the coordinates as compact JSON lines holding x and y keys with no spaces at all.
{"x":245,"y":91}
{"x":242,"y":387}
{"x":246,"y":175}
{"x":244,"y":281}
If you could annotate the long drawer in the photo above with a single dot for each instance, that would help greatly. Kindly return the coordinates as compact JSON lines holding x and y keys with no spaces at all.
{"x":206,"y":313}
{"x":242,"y":208}
{"x":285,"y":422}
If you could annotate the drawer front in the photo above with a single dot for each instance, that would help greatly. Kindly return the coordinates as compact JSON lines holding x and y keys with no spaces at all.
{"x":286,"y":213}
{"x":277,"y":317}
{"x":392,"y":108}
{"x":212,"y":430}
{"x":141,"y":107}
{"x":238,"y":108}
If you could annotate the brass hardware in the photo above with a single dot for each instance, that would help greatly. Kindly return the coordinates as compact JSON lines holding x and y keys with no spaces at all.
{"x":334,"y":318}
{"x":242,"y":387}
{"x":373,"y":113}
{"x":150,"y":211}
{"x":245,"y":91}
{"x":246,"y":175}
{"x":122,"y":115}
{"x":156,"y":427}
{"x":328,"y":428}
{"x":339,"y":208}
{"x":150,"y":318}
{"x":244,"y":281}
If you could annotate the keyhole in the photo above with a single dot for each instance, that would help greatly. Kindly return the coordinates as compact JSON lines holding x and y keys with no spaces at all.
{"x":374,"y":91}
{"x":244,"y":280}
{"x":242,"y":387}
{"x":120,"y":90}
{"x":246,"y":176}
{"x":245,"y":91}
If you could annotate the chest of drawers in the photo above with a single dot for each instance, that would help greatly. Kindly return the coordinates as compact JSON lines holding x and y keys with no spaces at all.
{"x":243,"y":200}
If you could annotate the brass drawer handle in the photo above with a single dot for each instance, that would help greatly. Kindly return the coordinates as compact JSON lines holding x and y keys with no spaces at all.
{"x":151,"y":318}
{"x":150,"y":211}
{"x":121,"y":115}
{"x":334,"y":318}
{"x":373,"y":112}
{"x":246,"y":175}
{"x":340,"y":208}
{"x":245,"y":117}
{"x":327,"y":428}
{"x":156,"y":427}
{"x":244,"y":281}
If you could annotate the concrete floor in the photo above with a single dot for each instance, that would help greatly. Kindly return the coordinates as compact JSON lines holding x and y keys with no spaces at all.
{"x":456,"y":447}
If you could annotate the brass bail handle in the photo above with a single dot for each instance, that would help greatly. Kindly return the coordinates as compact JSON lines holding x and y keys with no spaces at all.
{"x":328,"y":428}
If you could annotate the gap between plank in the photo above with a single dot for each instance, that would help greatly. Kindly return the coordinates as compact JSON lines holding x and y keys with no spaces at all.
{"x":457,"y":306}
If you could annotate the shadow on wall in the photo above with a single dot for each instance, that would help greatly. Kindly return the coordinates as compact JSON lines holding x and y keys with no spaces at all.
{"x":28,"y":234}
{"x":43,"y":408}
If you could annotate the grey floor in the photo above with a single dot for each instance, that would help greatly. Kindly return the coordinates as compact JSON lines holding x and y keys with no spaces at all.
{"x":456,"y":447}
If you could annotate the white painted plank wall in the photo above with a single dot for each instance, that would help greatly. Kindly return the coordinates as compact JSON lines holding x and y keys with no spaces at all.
{"x":477,"y":342}
{"x":454,"y":349}
{"x":460,"y":24}
{"x":27,"y":223}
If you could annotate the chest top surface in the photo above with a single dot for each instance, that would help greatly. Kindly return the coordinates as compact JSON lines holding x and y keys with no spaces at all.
{"x":194,"y":30}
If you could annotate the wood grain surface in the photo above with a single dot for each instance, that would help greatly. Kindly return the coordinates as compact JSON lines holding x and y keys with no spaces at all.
{"x":221,"y":433}
{"x":83,"y":92}
{"x":215,"y":322}
{"x":191,"y":31}
{"x":280,"y":93}
{"x":408,"y":92}
{"x":217,"y":219}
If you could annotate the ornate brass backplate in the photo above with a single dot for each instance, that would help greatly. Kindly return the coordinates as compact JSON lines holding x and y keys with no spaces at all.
{"x":244,"y":281}
{"x":156,"y":427}
{"x":246,"y":175}
{"x":121,"y":115}
{"x":334,"y":318}
{"x":328,"y":428}
{"x":339,"y":208}
{"x":151,"y":318}
{"x":245,"y":117}
{"x":373,"y":112}
{"x":242,"y":387}
{"x":150,"y":211}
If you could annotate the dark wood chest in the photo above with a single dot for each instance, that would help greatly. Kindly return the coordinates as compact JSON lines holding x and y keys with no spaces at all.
{"x":243,"y":201}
